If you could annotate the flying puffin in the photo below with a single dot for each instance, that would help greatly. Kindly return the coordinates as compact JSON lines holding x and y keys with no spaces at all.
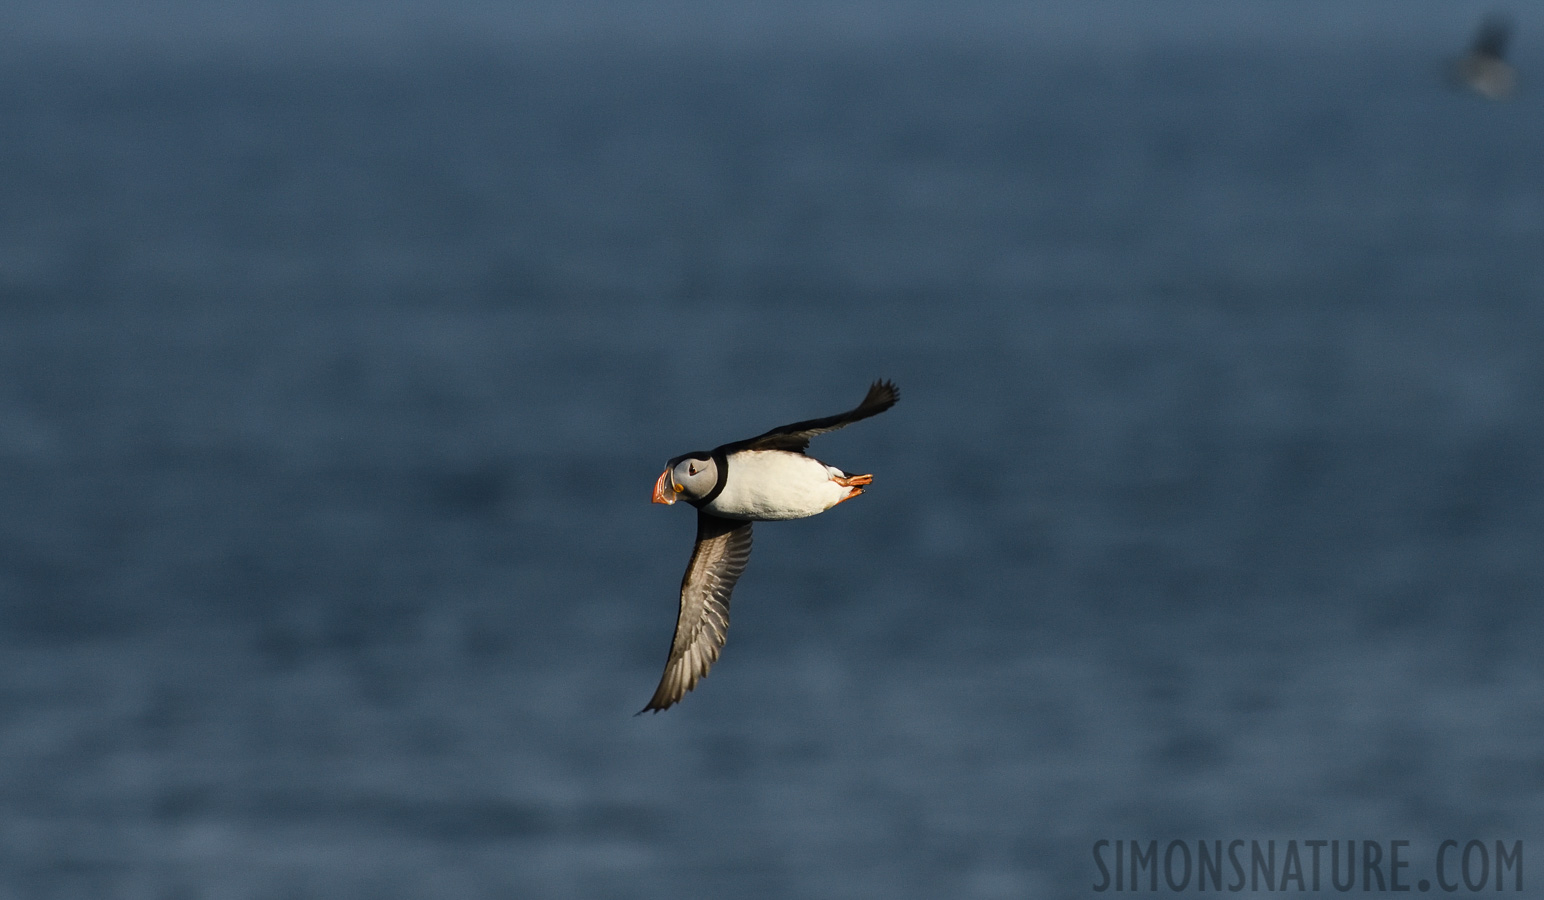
{"x":765,"y":478}
{"x":1485,"y":70}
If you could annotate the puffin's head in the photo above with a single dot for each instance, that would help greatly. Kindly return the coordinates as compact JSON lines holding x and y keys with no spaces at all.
{"x":689,"y":477}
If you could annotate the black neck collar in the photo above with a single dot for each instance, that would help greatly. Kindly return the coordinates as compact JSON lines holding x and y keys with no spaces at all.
{"x":721,"y":466}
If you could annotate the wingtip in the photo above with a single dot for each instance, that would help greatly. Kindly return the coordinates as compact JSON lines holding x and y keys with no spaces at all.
{"x":882,"y":392}
{"x":658,"y":703}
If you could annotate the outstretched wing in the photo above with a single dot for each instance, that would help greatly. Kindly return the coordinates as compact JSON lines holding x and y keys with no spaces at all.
{"x":1492,"y":38}
{"x":796,"y":437}
{"x":723,"y":547}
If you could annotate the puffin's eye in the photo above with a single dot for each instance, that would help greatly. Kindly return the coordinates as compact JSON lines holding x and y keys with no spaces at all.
{"x":691,"y":470}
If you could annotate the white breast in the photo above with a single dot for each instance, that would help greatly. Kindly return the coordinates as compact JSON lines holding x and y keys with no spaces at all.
{"x":776,"y":484}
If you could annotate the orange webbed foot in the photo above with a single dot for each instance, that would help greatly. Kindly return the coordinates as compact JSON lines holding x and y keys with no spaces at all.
{"x":854,"y":482}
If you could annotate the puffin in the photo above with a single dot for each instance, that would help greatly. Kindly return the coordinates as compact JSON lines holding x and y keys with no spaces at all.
{"x":1485,"y":69}
{"x":761,"y":479}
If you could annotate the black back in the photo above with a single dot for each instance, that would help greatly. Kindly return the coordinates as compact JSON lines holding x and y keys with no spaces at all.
{"x":1492,"y":38}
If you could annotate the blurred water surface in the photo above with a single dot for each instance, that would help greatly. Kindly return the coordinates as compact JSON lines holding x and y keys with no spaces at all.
{"x":332,"y":390}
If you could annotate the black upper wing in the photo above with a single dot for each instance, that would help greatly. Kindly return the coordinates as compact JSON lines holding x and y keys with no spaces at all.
{"x":796,"y":437}
{"x":723,"y":547}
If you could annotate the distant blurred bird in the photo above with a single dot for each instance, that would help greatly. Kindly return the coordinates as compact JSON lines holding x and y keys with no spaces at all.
{"x":764,"y":478}
{"x":1485,"y":69}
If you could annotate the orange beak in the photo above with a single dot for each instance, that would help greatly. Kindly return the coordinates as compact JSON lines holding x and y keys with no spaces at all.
{"x":664,"y":491}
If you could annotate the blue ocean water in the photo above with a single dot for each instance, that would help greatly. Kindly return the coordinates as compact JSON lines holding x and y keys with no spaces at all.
{"x":332,"y":391}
